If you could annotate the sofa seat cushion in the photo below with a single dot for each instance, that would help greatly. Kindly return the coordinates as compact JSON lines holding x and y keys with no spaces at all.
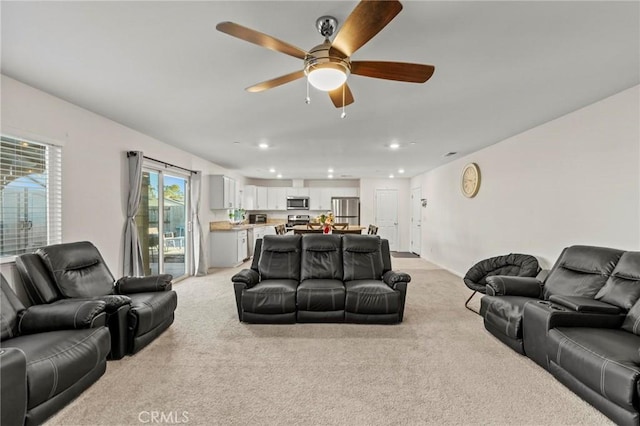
{"x":321,"y":295}
{"x":370,"y":297}
{"x":606,"y":360}
{"x":277,"y":296}
{"x":58,"y":359}
{"x":152,"y":309}
{"x":504,"y":313}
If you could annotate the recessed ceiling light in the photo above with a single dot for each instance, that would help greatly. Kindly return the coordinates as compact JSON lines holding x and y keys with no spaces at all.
{"x":391,"y":176}
{"x":272,"y":170}
{"x":401,"y":171}
{"x":330,"y":170}
{"x":330,"y":176}
{"x":394,"y":145}
{"x":264,"y":145}
{"x":279,"y":176}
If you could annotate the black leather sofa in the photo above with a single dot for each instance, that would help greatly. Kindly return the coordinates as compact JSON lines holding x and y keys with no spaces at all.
{"x":321,"y":278}
{"x":49,"y":354}
{"x":582,"y":324}
{"x":138,"y":308}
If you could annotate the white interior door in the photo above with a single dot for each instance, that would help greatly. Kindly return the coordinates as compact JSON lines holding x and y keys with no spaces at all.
{"x":387,"y":216}
{"x":416,"y":218}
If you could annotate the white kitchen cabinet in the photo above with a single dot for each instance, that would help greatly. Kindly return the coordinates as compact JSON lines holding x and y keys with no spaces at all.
{"x":222,"y":192}
{"x":344,"y":192}
{"x":261,"y":198}
{"x":320,"y":198}
{"x":243,"y":251}
{"x":249,"y":197}
{"x":228,"y":248}
{"x":276,"y":198}
{"x":297,"y":192}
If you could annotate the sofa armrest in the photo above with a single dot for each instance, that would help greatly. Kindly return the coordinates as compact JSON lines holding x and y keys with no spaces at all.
{"x":113,"y":301}
{"x":392,"y":278}
{"x":584,"y":304}
{"x":246,"y":276}
{"x":502,"y":285}
{"x":131,"y":285}
{"x":61,"y":315}
{"x":13,"y":378}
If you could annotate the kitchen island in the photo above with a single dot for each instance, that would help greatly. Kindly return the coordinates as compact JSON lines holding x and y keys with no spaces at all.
{"x":316,"y":229}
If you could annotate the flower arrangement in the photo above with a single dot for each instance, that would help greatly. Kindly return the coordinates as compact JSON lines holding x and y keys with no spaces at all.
{"x":326,"y":220}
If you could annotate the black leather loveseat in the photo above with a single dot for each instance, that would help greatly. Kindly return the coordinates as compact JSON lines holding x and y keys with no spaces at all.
{"x":582,"y":324}
{"x":321,"y":278}
{"x":139,"y":309}
{"x":49,"y":354}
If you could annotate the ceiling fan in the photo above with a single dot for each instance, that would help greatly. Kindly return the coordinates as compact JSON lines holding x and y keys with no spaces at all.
{"x":328,"y":65}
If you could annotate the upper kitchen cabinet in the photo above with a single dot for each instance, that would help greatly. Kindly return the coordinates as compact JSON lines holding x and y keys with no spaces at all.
{"x":345,"y":192}
{"x":320,"y":198}
{"x":249,"y":201}
{"x":276,"y":198}
{"x":222,"y":192}
{"x":261,"y":198}
{"x":297,"y":192}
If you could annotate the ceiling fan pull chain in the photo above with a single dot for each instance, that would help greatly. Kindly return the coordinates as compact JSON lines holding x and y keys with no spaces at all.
{"x":344,"y":113}
{"x":307,"y":99}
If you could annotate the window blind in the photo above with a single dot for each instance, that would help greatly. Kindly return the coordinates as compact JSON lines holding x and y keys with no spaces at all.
{"x":30,"y":196}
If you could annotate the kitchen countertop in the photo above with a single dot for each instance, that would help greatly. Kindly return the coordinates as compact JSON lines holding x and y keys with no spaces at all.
{"x":226,"y":226}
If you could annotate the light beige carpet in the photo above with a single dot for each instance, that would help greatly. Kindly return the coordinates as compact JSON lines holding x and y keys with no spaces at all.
{"x":438,"y":367}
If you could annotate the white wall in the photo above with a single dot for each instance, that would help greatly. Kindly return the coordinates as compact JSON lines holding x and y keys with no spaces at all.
{"x":574,"y":180}
{"x":368,"y":189}
{"x":94,"y":171}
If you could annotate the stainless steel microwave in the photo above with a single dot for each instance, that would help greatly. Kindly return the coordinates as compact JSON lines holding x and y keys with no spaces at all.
{"x":297,"y":203}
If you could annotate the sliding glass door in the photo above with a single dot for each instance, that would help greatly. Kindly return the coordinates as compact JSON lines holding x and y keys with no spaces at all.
{"x":162,"y":222}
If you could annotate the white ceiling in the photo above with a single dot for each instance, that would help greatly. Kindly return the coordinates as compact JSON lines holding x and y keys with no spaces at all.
{"x":162,"y":69}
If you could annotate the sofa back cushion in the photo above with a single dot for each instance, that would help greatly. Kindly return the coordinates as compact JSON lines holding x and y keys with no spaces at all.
{"x":280,"y":257}
{"x":78,"y":269}
{"x":37,"y":279}
{"x":362,"y":257}
{"x":581,"y":271}
{"x":321,"y":257}
{"x":10,"y":306}
{"x":623,"y":286}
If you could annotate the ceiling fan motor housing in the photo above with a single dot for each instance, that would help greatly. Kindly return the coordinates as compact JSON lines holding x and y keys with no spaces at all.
{"x":320,"y":57}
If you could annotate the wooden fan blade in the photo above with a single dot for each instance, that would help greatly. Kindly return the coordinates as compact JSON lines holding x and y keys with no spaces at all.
{"x":264,"y":40}
{"x":275,"y":82}
{"x":366,"y":20}
{"x":336,"y":96}
{"x":399,"y":71}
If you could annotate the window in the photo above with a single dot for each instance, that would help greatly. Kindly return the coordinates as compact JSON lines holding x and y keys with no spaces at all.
{"x":30,"y":196}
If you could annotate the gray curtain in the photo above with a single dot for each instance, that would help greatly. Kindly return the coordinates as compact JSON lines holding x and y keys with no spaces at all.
{"x":132,"y":250}
{"x":198,"y":260}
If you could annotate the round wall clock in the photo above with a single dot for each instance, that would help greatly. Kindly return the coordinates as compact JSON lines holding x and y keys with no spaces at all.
{"x":470,"y":180}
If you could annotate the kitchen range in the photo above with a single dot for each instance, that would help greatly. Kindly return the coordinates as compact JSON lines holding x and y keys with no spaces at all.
{"x":297,"y":219}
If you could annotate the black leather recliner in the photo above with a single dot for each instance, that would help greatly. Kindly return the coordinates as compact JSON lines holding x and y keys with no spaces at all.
{"x":582,"y":324}
{"x":49,"y":354}
{"x":321,"y":278}
{"x":579,"y":271}
{"x":139,"y":308}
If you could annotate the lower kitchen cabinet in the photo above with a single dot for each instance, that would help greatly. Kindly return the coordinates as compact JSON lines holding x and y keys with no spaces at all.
{"x":228,"y":248}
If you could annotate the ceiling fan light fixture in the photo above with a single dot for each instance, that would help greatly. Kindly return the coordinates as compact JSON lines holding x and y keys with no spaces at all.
{"x":327,"y":77}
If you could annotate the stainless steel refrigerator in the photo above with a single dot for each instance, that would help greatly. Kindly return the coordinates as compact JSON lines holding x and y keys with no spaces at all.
{"x":346,"y":210}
